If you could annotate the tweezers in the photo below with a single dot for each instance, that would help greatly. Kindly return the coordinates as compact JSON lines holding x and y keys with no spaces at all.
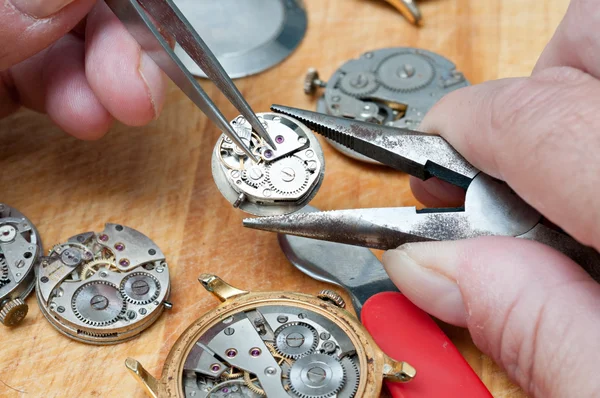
{"x":153,"y":23}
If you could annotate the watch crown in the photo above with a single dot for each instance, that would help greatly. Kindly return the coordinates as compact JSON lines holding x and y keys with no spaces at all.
{"x":333,"y":297}
{"x":13,"y":312}
{"x":312,"y":81}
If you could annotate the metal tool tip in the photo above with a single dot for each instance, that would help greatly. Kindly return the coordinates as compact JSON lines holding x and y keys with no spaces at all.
{"x":281,"y":224}
{"x":257,"y":223}
{"x":301,"y":114}
{"x":318,"y":122}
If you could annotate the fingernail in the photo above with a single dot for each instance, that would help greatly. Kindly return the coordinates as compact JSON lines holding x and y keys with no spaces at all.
{"x":431,"y":286}
{"x":150,"y":74}
{"x":40,"y":8}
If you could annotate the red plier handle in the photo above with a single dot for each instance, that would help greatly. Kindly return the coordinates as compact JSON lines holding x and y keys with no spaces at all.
{"x":406,"y":333}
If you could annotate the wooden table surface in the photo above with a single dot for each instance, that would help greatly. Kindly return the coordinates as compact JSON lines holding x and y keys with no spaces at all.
{"x":157,"y":179}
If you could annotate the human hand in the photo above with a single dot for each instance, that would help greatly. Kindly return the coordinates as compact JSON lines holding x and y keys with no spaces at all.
{"x":74,"y":60}
{"x":530,"y":308}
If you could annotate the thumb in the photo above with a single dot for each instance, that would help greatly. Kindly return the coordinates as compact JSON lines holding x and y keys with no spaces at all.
{"x":530,"y":308}
{"x":29,"y":26}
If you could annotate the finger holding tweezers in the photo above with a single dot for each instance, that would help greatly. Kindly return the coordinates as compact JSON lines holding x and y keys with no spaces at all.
{"x":140,"y":22}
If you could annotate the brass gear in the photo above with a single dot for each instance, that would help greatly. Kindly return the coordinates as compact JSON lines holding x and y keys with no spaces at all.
{"x":233,"y":373}
{"x":251,"y":379}
{"x":92,"y":267}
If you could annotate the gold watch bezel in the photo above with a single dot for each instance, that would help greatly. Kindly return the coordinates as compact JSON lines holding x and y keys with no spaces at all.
{"x":374,"y":364}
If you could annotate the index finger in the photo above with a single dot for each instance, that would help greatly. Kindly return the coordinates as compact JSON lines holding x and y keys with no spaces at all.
{"x":539,"y":134}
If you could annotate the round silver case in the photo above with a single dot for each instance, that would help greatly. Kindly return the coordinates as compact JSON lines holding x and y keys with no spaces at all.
{"x":20,"y":247}
{"x":103,"y":288}
{"x":247,"y":37}
{"x":283,"y":181}
{"x":392,"y":86}
{"x":298,"y":352}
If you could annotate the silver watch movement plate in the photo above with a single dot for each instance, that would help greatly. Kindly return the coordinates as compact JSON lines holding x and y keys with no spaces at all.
{"x":391,"y":86}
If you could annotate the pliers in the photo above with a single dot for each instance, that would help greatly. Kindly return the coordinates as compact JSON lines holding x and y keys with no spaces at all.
{"x":490,"y":208}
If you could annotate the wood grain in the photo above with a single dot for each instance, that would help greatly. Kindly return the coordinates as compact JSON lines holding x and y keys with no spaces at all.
{"x":157,"y":179}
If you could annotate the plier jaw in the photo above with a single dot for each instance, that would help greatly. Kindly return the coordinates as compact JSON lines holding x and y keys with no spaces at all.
{"x":491,"y":207}
{"x":418,"y":154}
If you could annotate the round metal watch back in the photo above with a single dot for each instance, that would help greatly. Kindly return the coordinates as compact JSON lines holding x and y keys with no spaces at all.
{"x":391,"y":86}
{"x":247,"y":37}
{"x":103,"y":288}
{"x":284,"y":180}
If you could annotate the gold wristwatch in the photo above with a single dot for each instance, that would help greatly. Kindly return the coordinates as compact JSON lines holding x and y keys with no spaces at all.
{"x":274,"y":344}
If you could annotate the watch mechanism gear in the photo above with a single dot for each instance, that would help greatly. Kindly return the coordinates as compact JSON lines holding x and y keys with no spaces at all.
{"x":98,"y":303}
{"x":288,"y":176}
{"x":296,"y":339}
{"x":94,"y":266}
{"x":232,"y":389}
{"x":283,"y":362}
{"x":406,"y":72}
{"x":233,"y":373}
{"x":4,"y":278}
{"x":317,"y":376}
{"x":253,"y":384}
{"x":359,"y":84}
{"x":282,"y":179}
{"x":140,"y":288}
{"x":103,"y":288}
{"x":255,"y":176}
{"x":352,"y":378}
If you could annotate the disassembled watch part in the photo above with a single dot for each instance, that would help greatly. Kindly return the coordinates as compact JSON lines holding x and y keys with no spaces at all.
{"x":285,"y":178}
{"x":408,"y":8}
{"x":104,"y":288}
{"x":392,"y":86}
{"x":274,"y":344}
{"x":247,"y":37}
{"x":20,"y":247}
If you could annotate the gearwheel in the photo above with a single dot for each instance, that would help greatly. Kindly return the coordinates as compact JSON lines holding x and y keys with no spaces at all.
{"x":359,"y":84}
{"x":140,"y":288}
{"x":317,"y":376}
{"x":406,"y":72}
{"x":98,"y":303}
{"x":296,"y":339}
{"x":283,"y":362}
{"x":94,"y":266}
{"x":352,"y":378}
{"x":3,"y":271}
{"x":288,"y":176}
